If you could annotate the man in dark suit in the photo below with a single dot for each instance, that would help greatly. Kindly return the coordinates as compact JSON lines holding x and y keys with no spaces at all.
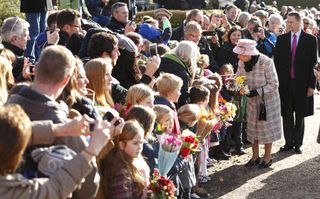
{"x":295,"y":57}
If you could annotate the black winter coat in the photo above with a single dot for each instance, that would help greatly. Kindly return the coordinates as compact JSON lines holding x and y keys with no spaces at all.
{"x":28,"y":6}
{"x":179,"y":69}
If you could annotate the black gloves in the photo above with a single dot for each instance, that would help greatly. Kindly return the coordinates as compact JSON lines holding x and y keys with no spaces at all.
{"x":253,"y":93}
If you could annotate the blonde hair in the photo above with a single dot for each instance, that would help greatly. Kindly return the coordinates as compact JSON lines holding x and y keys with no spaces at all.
{"x":189,"y":113}
{"x":96,"y":70}
{"x":5,"y":77}
{"x":161,"y":110}
{"x":138,"y":93}
{"x":108,"y":166}
{"x":167,"y":83}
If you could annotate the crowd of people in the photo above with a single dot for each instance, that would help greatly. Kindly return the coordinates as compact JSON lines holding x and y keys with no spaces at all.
{"x":83,"y":102}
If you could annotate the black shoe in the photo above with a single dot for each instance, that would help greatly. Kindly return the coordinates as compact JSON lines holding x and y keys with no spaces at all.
{"x":252,"y":163}
{"x":265,"y":164}
{"x":223,"y":156}
{"x":286,"y":148}
{"x":297,"y":150}
{"x":240,"y":152}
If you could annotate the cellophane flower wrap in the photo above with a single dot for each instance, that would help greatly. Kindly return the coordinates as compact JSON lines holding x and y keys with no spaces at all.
{"x":202,"y":63}
{"x":207,"y":121}
{"x":226,"y":112}
{"x":238,"y":86}
{"x":161,"y":187}
{"x":190,"y":143}
{"x":169,"y":149}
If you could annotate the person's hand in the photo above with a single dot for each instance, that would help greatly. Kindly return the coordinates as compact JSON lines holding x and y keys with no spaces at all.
{"x":116,"y":130}
{"x":261,"y":33}
{"x":100,"y":136}
{"x":75,"y":127}
{"x":214,"y":39}
{"x":310,"y":92}
{"x":153,"y":65}
{"x":53,"y":38}
{"x":130,"y":27}
{"x":28,"y":69}
{"x":253,"y":93}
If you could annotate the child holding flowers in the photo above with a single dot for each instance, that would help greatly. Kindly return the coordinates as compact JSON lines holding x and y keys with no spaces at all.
{"x":169,"y":86}
{"x":188,"y":117}
{"x":123,"y":170}
{"x":228,"y":92}
{"x":199,"y":95}
{"x":164,"y":120}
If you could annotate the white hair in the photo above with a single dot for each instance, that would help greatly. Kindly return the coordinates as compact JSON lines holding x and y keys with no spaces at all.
{"x":188,"y":52}
{"x":13,"y":26}
{"x":276,"y":17}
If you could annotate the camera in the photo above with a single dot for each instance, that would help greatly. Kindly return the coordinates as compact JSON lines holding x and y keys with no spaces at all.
{"x":109,"y":117}
{"x":209,"y":33}
{"x":256,"y":28}
{"x":31,"y":67}
{"x":153,"y":50}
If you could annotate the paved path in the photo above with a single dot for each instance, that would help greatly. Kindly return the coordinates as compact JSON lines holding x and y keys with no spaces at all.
{"x":291,"y":176}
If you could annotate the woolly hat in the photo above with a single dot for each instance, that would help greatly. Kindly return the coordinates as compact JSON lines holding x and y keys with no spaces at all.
{"x":246,"y":47}
{"x":162,"y":12}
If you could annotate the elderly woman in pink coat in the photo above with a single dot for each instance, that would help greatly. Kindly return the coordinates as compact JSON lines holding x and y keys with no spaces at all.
{"x":263,"y":105}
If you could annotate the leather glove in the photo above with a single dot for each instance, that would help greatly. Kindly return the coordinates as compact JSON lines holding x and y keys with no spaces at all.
{"x":253,"y":93}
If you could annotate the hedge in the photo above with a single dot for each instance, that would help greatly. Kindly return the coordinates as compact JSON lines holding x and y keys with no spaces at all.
{"x":9,"y":8}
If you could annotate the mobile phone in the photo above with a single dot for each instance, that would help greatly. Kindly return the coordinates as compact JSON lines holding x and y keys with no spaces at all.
{"x":91,"y":127}
{"x":153,"y":50}
{"x":109,"y":117}
{"x":209,"y":33}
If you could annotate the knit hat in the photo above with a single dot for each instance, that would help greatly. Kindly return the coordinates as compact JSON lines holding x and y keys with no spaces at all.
{"x":51,"y":159}
{"x":246,"y":47}
{"x":162,"y":12}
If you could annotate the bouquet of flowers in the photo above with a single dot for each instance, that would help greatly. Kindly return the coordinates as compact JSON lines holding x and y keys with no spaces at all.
{"x":237,"y":85}
{"x":161,"y":187}
{"x":226,"y":113}
{"x":168,"y":152}
{"x":206,"y":122}
{"x":190,"y":143}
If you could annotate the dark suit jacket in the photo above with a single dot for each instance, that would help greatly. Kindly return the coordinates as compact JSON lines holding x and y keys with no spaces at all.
{"x":306,"y":57}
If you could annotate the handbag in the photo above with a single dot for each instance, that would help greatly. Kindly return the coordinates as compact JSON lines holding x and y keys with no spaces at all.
{"x":263,"y":111}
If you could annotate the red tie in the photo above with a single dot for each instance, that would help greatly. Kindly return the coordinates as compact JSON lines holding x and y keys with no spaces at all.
{"x":293,"y":55}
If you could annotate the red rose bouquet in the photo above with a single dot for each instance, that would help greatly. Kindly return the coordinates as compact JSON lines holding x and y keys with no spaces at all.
{"x":161,"y":187}
{"x":190,"y":143}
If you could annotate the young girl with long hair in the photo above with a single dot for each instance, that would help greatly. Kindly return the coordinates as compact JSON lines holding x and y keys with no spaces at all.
{"x":123,"y":169}
{"x":98,"y":72}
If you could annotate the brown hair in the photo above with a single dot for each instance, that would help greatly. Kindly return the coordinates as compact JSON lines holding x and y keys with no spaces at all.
{"x":6,"y":79}
{"x":55,"y":64}
{"x":198,"y":94}
{"x":145,"y":116}
{"x":15,"y":132}
{"x":109,"y":166}
{"x":96,"y":70}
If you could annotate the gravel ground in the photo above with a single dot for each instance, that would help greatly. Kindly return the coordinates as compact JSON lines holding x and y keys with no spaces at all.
{"x":291,"y":176}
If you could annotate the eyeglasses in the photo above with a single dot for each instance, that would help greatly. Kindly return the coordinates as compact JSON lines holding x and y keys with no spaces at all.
{"x":14,"y":25}
{"x":307,"y":23}
{"x":77,"y":26}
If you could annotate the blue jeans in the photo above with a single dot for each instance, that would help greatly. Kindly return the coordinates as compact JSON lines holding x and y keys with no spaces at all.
{"x":37,"y":21}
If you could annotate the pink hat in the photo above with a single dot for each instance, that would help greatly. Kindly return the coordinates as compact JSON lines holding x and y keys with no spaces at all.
{"x":246,"y":47}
